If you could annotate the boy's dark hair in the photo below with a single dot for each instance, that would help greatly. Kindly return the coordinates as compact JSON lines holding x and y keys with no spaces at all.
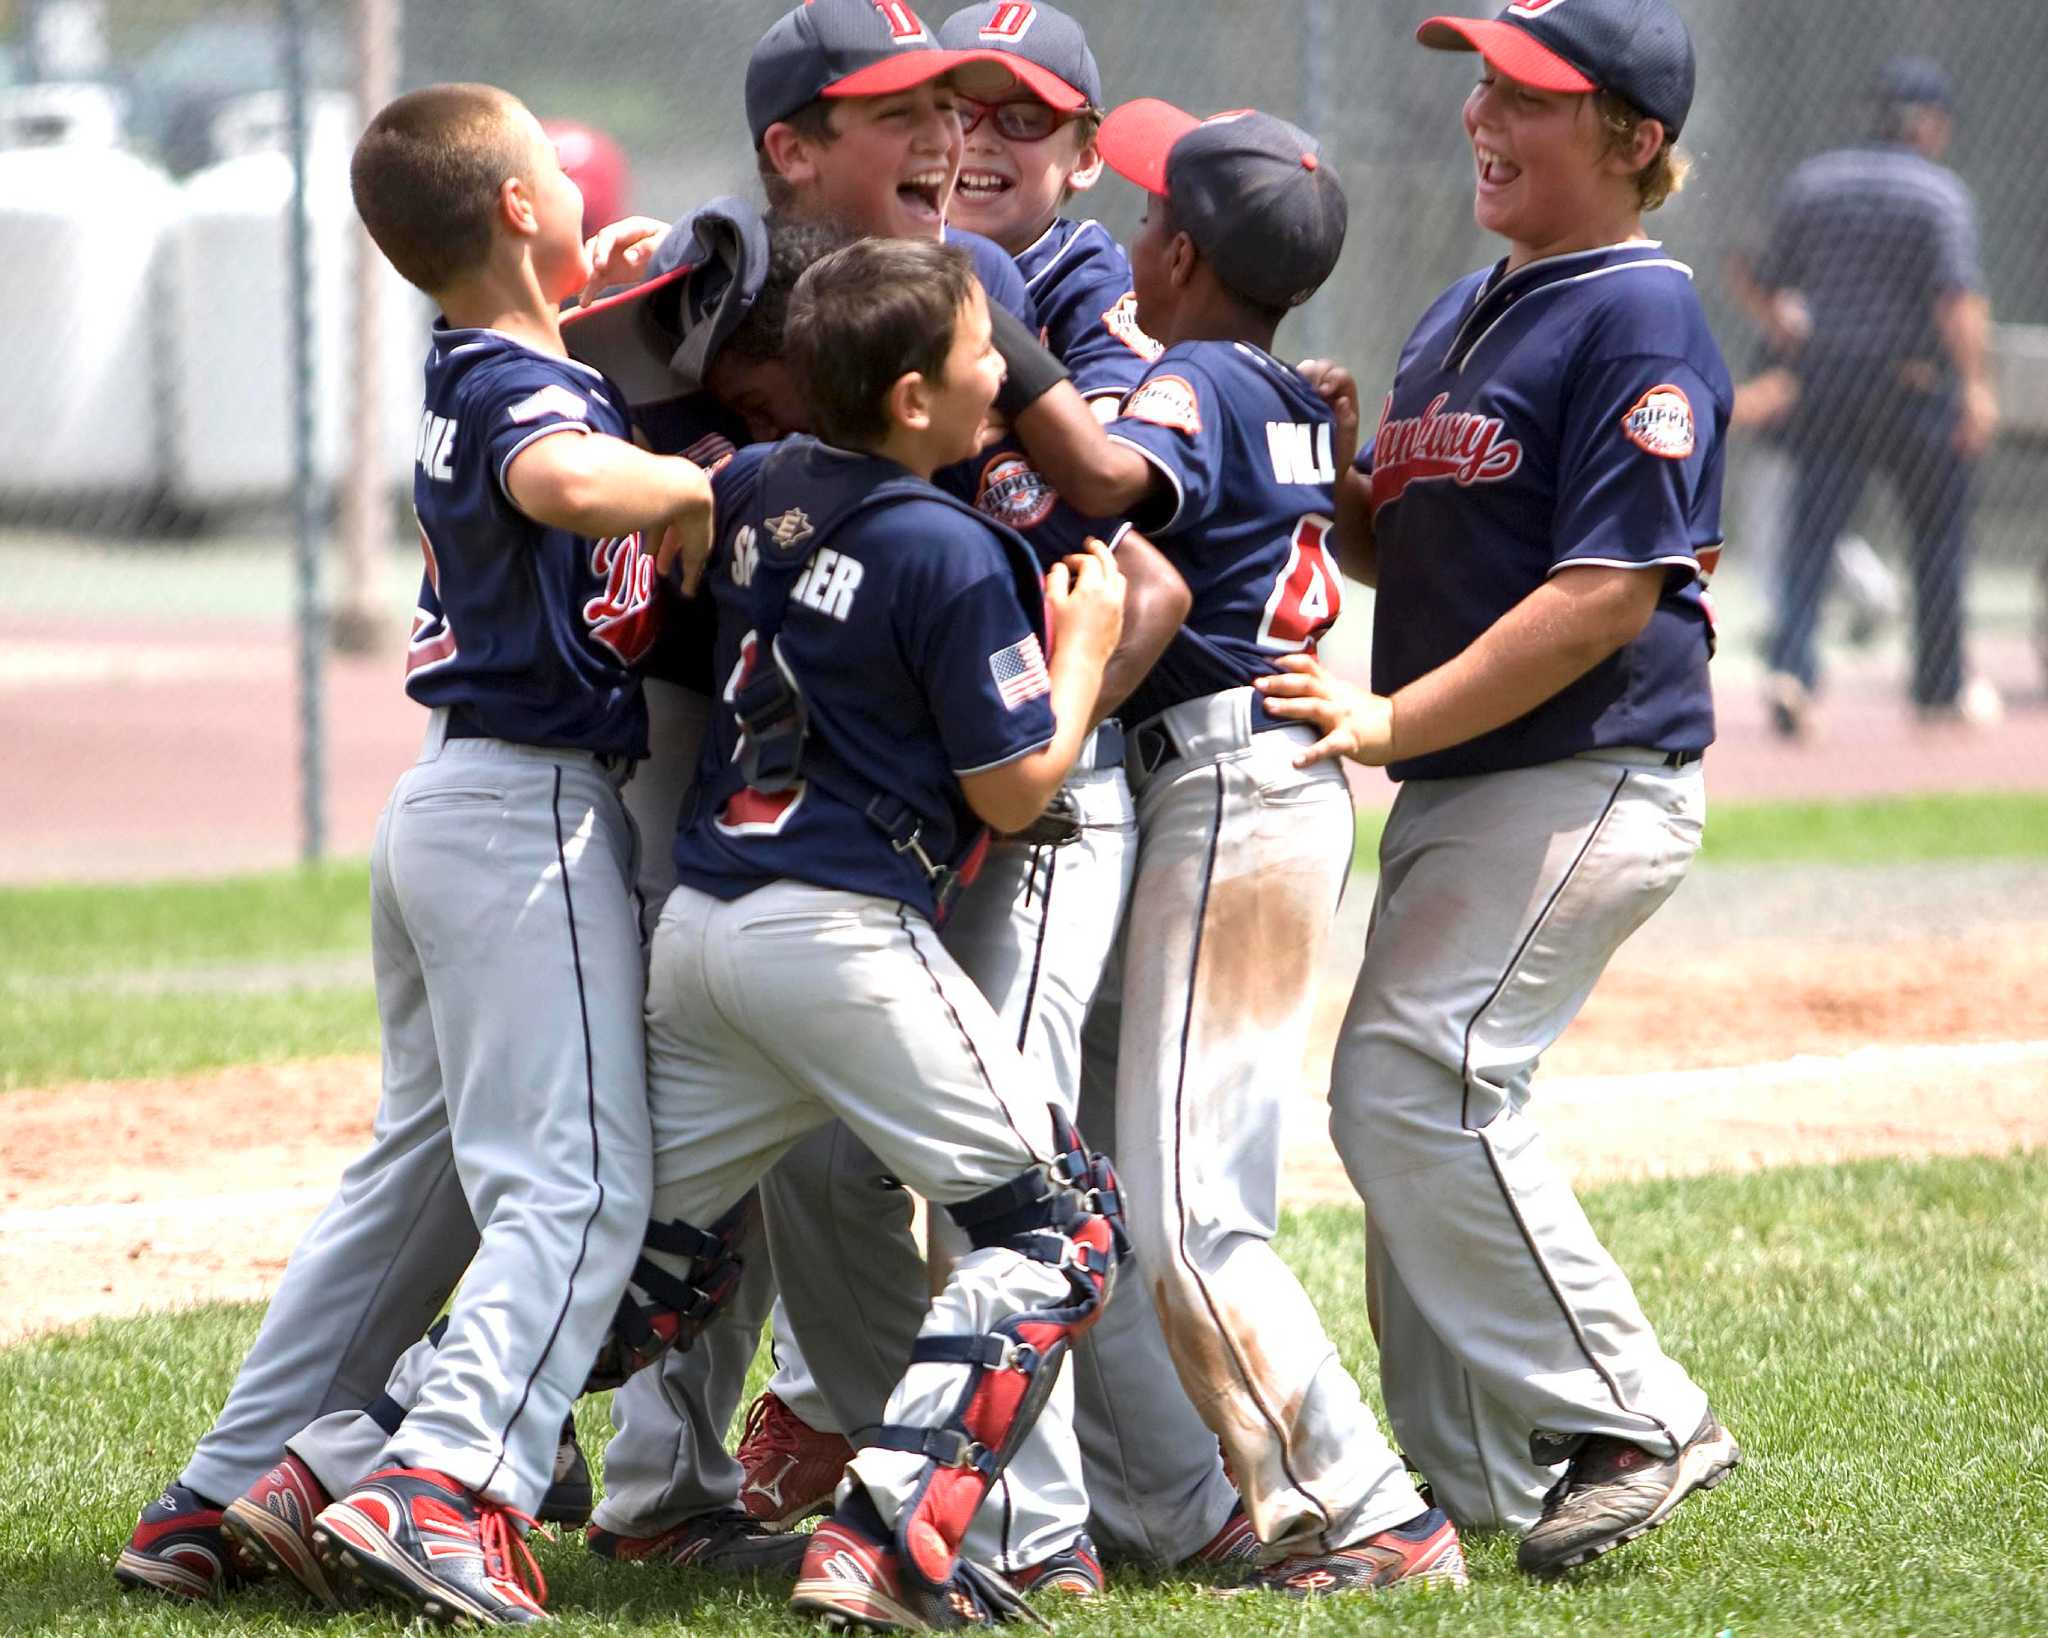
{"x":426,"y":176}
{"x":866,"y":316}
{"x":812,"y":122}
{"x":793,"y":245}
{"x":1265,"y":310}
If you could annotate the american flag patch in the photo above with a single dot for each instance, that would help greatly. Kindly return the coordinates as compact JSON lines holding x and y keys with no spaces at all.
{"x":1020,"y":673}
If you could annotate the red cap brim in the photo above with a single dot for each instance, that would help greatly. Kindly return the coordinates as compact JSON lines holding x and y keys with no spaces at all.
{"x":1136,"y":138}
{"x":1513,"y":51}
{"x":1042,"y":83}
{"x":609,"y":335}
{"x":898,"y":72}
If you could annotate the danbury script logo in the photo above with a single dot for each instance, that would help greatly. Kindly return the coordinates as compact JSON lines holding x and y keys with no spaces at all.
{"x":1465,"y":447}
{"x":624,"y":616}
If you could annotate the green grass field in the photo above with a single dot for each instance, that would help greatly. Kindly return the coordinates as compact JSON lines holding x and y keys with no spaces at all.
{"x":1873,"y":1334}
{"x":1891,"y":830}
{"x":99,"y":982}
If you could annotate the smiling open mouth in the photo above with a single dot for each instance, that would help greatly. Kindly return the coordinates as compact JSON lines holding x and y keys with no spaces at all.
{"x":923,"y":192}
{"x":982,"y":186}
{"x":1494,"y":170}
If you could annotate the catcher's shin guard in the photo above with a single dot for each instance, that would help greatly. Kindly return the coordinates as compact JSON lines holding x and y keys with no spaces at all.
{"x":661,"y":1310}
{"x":1064,"y":1215}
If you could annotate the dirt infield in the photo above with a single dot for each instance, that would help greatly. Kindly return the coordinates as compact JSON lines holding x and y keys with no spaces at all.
{"x":115,"y":1197}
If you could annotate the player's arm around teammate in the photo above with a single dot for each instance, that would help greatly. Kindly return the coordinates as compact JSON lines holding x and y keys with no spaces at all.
{"x":1558,"y":420}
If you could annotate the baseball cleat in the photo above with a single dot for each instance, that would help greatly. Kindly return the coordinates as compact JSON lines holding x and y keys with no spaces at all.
{"x":1234,"y":1544}
{"x":1075,"y":1571}
{"x":420,"y":1539}
{"x":791,"y":1468}
{"x":724,"y":1540}
{"x":570,"y":1493}
{"x":177,"y":1548}
{"x":269,"y":1527}
{"x":1614,"y":1491}
{"x":1424,"y":1552}
{"x":851,"y":1577}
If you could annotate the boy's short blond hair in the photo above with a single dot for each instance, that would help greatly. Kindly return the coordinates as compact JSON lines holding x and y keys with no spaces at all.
{"x":427,"y":173}
{"x":1666,"y":172}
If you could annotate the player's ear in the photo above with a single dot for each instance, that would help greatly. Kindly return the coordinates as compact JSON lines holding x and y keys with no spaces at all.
{"x":515,"y":207}
{"x":1087,"y":169}
{"x":790,"y":154}
{"x":1627,"y":158}
{"x":1182,"y":258}
{"x":908,"y":402}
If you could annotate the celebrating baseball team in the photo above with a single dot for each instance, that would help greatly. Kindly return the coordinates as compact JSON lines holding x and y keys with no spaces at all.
{"x":877,"y":754}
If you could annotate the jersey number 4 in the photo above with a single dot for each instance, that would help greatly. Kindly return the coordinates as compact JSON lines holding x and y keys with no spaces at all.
{"x":1308,"y":594}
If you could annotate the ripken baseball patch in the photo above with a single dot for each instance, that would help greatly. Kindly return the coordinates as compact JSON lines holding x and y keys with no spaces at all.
{"x":1661,"y":423}
{"x":1167,"y":401}
{"x":1012,"y":492}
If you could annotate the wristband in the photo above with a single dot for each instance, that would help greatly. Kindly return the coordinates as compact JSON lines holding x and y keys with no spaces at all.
{"x":1032,"y":370}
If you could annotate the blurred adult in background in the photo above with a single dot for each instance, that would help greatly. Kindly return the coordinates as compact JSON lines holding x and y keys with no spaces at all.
{"x":598,"y":166}
{"x":1872,"y":292}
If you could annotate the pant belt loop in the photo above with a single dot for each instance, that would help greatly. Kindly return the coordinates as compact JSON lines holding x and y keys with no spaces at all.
{"x":437,"y":734}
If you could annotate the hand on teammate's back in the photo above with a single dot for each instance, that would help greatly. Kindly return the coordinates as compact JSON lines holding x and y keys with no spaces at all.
{"x":1339,"y":389}
{"x":1084,"y":594}
{"x":687,"y":531}
{"x":1353,"y":721}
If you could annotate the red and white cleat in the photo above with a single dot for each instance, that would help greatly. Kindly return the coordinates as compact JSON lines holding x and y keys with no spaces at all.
{"x":422,"y":1540}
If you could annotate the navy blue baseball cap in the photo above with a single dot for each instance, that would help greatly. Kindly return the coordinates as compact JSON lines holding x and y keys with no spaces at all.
{"x":1254,"y":193}
{"x":1040,"y":36}
{"x":658,"y":337}
{"x":1915,"y":80}
{"x":868,"y":48}
{"x":1638,"y":49}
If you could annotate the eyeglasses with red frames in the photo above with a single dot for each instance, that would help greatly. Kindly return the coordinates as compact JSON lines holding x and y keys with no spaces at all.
{"x":1024,"y":119}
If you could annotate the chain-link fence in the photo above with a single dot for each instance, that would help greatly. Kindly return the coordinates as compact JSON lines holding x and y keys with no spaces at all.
{"x":145,"y":265}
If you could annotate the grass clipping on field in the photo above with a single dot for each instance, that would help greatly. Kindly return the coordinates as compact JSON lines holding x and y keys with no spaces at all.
{"x":1873,"y":1334}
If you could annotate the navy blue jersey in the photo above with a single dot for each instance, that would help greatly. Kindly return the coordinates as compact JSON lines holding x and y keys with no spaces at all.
{"x":1000,"y":280}
{"x":1570,"y":412}
{"x":917,"y":657}
{"x":533,"y":633}
{"x":1244,"y":444}
{"x":1080,"y":282}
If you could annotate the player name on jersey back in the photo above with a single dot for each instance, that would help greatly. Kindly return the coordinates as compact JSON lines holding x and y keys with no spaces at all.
{"x":1245,"y":447}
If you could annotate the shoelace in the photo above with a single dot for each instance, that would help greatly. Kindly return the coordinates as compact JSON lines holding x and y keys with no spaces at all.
{"x":506,"y":1555}
{"x":774,"y":1434}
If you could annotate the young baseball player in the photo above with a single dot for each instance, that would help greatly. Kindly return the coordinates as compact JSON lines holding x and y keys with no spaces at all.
{"x":1024,"y":159}
{"x":1538,"y":509}
{"x":888,"y":695}
{"x":721,"y":304}
{"x":505,"y":931}
{"x":1227,"y":457}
